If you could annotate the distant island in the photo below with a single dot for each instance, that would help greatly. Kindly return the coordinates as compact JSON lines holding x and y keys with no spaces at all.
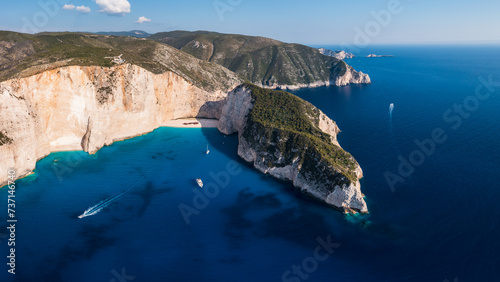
{"x":80,"y":91}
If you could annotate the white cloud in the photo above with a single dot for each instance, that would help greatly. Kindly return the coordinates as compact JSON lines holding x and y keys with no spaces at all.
{"x":68,"y":7}
{"x":143,"y":20}
{"x":114,"y":6}
{"x":83,"y":9}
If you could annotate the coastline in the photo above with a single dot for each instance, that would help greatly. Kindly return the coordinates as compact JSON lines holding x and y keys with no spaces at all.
{"x":177,"y":123}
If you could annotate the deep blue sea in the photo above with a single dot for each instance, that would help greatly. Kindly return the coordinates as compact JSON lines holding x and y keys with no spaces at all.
{"x":438,"y":221}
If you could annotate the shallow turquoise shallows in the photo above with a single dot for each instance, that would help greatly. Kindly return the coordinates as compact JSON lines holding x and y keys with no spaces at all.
{"x":436,"y":219}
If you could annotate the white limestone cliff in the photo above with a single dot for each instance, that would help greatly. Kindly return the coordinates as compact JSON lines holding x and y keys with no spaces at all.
{"x":233,"y":117}
{"x":352,"y":77}
{"x":75,"y":108}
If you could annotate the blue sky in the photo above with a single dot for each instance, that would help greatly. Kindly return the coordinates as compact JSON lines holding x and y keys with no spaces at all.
{"x":310,"y":22}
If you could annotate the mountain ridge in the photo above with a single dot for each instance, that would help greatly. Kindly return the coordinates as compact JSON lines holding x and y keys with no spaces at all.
{"x":23,"y":55}
{"x":264,"y":61}
{"x":134,"y":33}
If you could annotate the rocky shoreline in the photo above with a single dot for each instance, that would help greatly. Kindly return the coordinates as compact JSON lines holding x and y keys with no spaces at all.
{"x":351,"y":76}
{"x":86,"y":108}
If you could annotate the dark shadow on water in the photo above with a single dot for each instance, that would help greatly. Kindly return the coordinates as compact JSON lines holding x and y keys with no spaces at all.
{"x":262,"y":215}
{"x":171,"y":138}
{"x":225,"y":144}
{"x":231,"y":260}
{"x":170,"y":155}
{"x":147,"y":193}
{"x":94,"y":239}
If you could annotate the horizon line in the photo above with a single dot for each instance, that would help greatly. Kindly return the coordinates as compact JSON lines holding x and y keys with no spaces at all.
{"x":413,"y":43}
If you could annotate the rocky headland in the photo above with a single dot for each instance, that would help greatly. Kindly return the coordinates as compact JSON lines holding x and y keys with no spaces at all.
{"x":54,"y":97}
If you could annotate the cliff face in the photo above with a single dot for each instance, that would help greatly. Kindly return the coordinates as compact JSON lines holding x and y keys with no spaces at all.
{"x":352,"y":77}
{"x":347,"y":76}
{"x":306,"y":160}
{"x":75,"y":108}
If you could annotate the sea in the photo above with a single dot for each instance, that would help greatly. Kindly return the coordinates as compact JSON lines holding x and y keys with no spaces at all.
{"x":431,"y":180}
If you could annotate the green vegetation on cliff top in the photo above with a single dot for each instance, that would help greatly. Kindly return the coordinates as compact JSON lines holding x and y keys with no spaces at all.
{"x":262,"y":61}
{"x":298,"y":123}
{"x":4,"y":139}
{"x":25,"y":54}
{"x":26,"y":50}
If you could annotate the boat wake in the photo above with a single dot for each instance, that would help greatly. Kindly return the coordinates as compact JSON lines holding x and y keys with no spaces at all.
{"x":391,"y":108}
{"x":101,"y":205}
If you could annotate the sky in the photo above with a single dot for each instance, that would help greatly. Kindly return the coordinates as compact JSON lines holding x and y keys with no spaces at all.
{"x":358,"y":22}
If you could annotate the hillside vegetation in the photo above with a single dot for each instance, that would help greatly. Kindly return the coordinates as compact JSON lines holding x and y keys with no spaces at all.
{"x":262,"y":61}
{"x":293,"y":126}
{"x":25,"y":54}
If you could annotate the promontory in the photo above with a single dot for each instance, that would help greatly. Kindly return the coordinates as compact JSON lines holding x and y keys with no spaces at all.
{"x":81,"y":91}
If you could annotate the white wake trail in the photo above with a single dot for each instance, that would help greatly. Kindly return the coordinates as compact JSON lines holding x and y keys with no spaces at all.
{"x":95,"y":209}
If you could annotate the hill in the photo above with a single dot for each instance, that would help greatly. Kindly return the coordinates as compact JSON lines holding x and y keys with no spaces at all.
{"x":290,"y":139}
{"x":264,"y":61}
{"x":23,"y":55}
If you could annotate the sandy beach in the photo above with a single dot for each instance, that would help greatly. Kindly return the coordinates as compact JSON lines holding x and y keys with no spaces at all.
{"x":191,"y":123}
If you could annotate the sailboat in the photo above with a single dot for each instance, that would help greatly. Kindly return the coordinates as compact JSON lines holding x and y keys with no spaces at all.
{"x":200,"y":183}
{"x":208,"y":151}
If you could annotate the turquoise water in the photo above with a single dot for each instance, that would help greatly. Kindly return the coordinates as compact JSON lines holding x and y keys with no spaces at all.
{"x":440,"y":223}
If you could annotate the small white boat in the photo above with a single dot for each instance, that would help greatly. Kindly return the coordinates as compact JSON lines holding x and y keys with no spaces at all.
{"x":208,"y":151}
{"x":200,"y":183}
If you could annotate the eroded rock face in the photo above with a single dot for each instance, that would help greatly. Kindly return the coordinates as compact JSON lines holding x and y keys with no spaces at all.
{"x":352,"y":77}
{"x":75,"y":108}
{"x":235,"y":111}
{"x":304,"y":167}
